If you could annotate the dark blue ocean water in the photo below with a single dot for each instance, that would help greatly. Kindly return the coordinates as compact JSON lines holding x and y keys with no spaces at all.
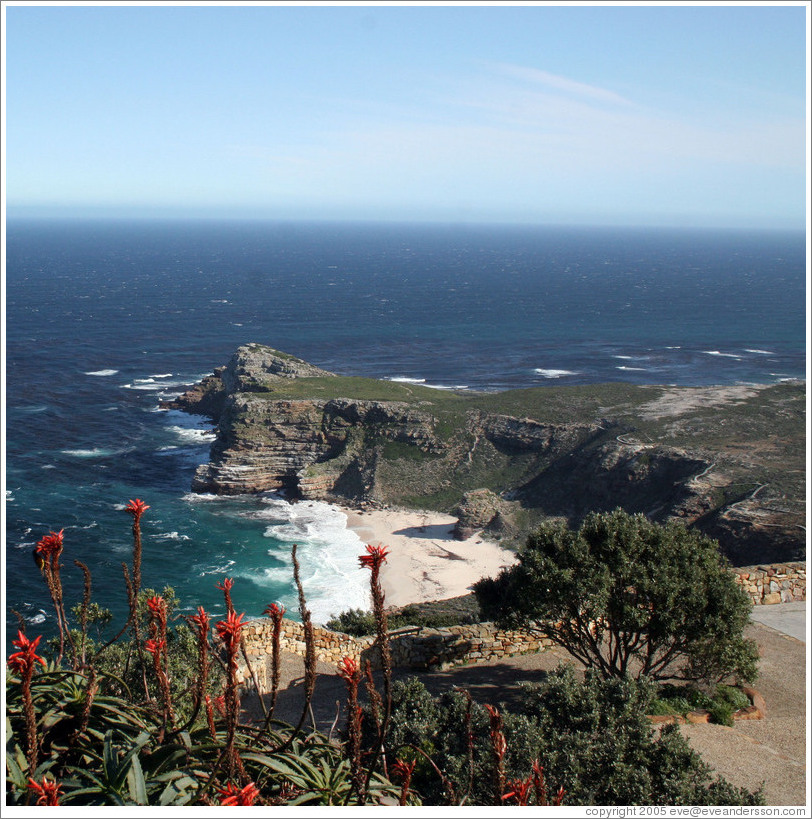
{"x":106,"y":318}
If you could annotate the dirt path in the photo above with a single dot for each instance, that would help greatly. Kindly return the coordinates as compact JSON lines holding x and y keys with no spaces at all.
{"x":771,"y":750}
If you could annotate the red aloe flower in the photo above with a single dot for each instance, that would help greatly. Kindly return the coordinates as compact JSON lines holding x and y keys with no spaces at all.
{"x":219,"y":703}
{"x":136,"y":508}
{"x":275,"y":610}
{"x":403,"y":770}
{"x":226,"y":585}
{"x":157,"y":605}
{"x":230,"y":629}
{"x":201,"y":620}
{"x":51,"y":544}
{"x":374,"y":557}
{"x":232,"y":795}
{"x":155,"y":647}
{"x":22,"y":661}
{"x":348,"y":670}
{"x":48,"y":793}
{"x":519,"y":790}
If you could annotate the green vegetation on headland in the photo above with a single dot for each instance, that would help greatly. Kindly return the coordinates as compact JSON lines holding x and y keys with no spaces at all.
{"x":729,"y":461}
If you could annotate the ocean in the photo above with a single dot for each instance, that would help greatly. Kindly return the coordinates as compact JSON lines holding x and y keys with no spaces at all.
{"x":106,"y":318}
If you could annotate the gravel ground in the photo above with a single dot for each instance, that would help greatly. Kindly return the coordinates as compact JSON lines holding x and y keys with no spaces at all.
{"x":772,"y":751}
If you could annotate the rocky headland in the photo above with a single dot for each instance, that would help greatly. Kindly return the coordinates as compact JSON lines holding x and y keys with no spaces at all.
{"x":727,"y":460}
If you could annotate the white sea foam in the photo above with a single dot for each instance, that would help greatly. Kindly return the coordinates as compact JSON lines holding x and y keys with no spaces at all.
{"x":170,"y":536}
{"x":760,"y":352}
{"x":154,"y":383}
{"x":554,"y":373}
{"x":194,"y":497}
{"x":723,"y":355}
{"x":216,"y":568}
{"x":446,"y":387}
{"x":631,"y":357}
{"x":96,"y":452}
{"x":327,"y":552}
{"x":102,"y":372}
{"x":638,"y":369}
{"x":404,"y":379}
{"x":143,"y":386}
{"x":197,"y":436}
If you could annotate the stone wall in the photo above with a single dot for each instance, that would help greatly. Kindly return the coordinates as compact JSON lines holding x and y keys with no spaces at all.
{"x":779,"y":583}
{"x":421,"y":648}
{"x":411,"y":646}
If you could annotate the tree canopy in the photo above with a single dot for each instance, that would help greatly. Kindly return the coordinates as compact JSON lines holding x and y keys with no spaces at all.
{"x":627,"y":596}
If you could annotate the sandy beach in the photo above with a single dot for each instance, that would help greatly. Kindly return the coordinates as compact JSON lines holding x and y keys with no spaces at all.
{"x":425,"y":562}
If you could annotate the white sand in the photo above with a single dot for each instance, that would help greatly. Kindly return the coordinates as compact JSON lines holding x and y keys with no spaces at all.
{"x":425,"y":562}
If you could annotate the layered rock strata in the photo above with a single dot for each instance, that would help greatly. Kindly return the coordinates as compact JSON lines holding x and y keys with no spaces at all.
{"x":730,"y":468}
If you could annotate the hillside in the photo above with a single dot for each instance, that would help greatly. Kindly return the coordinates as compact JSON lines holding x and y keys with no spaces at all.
{"x":727,"y":460}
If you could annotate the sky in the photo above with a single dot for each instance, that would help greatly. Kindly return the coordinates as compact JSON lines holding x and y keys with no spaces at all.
{"x":642,"y":114}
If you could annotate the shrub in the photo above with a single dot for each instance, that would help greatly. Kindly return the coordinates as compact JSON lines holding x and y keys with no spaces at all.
{"x":360,"y":623}
{"x":355,"y":622}
{"x":592,"y":736}
{"x":625,"y":596}
{"x":720,"y":705}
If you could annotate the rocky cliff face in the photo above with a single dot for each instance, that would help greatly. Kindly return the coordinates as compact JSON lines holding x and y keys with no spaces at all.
{"x":265,"y":444}
{"x":282,"y":425}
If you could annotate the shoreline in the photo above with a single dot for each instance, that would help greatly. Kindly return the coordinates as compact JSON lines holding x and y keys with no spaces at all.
{"x":425,"y":562}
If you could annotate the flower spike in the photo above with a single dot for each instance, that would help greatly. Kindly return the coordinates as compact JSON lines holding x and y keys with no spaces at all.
{"x":48,"y":793}
{"x":233,"y":795}
{"x":136,"y":508}
{"x":22,"y":662}
{"x":50,"y":545}
{"x":374,"y":557}
{"x":274,"y":610}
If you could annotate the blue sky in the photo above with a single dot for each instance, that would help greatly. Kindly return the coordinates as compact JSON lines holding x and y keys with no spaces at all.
{"x":641,"y":114}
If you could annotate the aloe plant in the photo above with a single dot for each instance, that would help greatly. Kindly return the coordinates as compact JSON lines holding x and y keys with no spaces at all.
{"x":151,"y":734}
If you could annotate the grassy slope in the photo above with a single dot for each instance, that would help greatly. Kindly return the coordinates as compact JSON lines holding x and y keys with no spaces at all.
{"x":758,"y":440}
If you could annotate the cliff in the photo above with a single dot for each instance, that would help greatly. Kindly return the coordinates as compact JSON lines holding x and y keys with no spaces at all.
{"x":729,"y":460}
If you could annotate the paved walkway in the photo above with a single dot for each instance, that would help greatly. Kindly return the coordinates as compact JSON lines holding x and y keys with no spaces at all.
{"x":772,"y":750}
{"x":789,"y":618}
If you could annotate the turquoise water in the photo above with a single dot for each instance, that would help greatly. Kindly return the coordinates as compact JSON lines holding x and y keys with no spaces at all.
{"x":106,"y":319}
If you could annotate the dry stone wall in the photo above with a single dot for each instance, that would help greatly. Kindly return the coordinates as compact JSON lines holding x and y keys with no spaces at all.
{"x":411,"y":646}
{"x":422,"y":648}
{"x":779,"y":583}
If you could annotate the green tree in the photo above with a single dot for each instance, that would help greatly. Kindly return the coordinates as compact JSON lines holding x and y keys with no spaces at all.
{"x":626,"y":596}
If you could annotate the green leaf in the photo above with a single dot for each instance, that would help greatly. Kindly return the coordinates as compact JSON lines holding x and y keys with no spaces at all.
{"x":137,"y":785}
{"x":109,"y":757}
{"x":179,"y":791}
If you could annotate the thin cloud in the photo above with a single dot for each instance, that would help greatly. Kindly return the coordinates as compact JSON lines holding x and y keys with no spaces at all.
{"x":564,"y":84}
